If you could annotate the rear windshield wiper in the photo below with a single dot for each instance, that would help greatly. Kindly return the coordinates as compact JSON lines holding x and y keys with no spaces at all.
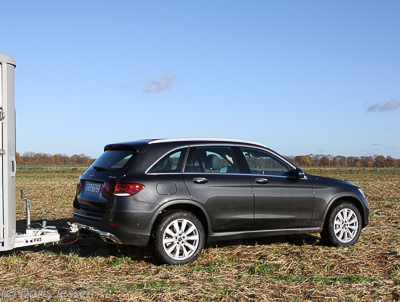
{"x":97,"y":168}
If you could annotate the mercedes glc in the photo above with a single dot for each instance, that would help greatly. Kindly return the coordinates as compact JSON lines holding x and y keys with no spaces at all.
{"x":176,"y":194}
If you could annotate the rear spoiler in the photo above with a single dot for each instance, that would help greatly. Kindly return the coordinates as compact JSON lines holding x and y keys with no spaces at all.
{"x":126,"y":147}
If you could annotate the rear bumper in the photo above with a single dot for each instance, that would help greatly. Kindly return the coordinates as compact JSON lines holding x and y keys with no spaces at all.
{"x":114,"y":234}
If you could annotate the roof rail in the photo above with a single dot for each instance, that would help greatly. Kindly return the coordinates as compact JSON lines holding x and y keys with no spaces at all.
{"x":156,"y":141}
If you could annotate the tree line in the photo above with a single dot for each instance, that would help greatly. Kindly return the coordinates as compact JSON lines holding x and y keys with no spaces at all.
{"x":320,"y":160}
{"x":312,"y":160}
{"x":43,"y":159}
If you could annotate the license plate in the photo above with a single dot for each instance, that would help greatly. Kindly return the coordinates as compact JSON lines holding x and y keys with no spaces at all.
{"x":94,"y":188}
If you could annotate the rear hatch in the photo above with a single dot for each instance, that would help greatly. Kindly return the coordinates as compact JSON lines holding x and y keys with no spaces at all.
{"x":95,"y":195}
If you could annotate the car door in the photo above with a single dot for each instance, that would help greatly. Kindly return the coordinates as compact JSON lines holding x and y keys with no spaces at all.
{"x":164,"y":179}
{"x":212,"y":177}
{"x":282,"y":201}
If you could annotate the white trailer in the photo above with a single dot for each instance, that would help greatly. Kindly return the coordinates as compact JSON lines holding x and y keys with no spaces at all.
{"x":9,"y":238}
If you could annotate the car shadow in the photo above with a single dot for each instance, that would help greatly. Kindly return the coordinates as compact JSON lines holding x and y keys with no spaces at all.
{"x":83,"y":244}
{"x":90,"y":245}
{"x":296,"y":240}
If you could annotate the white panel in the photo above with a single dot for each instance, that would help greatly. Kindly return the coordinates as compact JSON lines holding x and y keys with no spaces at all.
{"x":7,"y":159}
{"x":8,"y":236}
{"x":1,"y":164}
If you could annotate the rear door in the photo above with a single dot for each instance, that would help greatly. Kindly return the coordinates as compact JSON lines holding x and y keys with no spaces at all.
{"x":164,"y":179}
{"x":281,"y":200}
{"x":212,"y":177}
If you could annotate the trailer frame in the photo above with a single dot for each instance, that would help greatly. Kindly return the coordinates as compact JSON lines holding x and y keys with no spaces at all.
{"x":9,"y":238}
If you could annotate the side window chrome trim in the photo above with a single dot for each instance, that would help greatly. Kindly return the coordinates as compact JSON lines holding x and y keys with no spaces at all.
{"x":211,"y":173}
{"x":169,"y":152}
{"x":165,"y":173}
{"x":270,"y":175}
{"x":280,"y":176}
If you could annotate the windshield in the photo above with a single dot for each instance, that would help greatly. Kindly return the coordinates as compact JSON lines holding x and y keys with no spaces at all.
{"x":112,"y":160}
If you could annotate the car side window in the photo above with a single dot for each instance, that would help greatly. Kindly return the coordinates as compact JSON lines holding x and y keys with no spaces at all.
{"x":193,"y":163}
{"x":211,"y":159}
{"x":262,"y":162}
{"x":171,"y":163}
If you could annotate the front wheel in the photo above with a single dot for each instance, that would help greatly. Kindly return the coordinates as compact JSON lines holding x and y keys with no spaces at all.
{"x":343,"y":225}
{"x":178,"y":238}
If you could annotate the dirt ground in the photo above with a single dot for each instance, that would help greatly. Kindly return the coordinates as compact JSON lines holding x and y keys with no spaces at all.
{"x":282,"y":268}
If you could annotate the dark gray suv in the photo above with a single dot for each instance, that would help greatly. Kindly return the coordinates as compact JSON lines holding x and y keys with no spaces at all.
{"x":175,"y":194}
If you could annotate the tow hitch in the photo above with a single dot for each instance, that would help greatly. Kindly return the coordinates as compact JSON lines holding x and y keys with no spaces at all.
{"x":43,"y":234}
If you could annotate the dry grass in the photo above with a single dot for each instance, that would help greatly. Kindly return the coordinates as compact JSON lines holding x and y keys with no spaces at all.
{"x":284,"y":268}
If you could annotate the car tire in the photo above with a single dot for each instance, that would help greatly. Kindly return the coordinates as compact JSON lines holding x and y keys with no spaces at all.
{"x":178,"y":238}
{"x":342,"y":225}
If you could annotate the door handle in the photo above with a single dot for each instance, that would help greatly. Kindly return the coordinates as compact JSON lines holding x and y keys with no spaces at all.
{"x":200,"y":180}
{"x":261,"y":180}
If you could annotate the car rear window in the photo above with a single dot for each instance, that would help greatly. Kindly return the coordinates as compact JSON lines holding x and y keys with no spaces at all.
{"x":112,"y":160}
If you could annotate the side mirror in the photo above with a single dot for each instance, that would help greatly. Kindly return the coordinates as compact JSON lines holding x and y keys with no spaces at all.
{"x":300,"y":173}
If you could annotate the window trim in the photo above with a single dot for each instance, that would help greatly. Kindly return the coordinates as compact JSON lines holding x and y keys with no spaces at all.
{"x":216,"y":144}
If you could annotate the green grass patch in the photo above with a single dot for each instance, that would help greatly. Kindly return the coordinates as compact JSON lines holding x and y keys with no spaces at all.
{"x":154,"y":286}
{"x":122,"y":261}
{"x":266,"y":269}
{"x":272,"y":271}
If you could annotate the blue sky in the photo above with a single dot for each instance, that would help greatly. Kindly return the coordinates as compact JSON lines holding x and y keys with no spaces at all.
{"x":302,"y":77}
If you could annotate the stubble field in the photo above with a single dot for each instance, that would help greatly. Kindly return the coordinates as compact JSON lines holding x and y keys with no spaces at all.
{"x":283,"y":268}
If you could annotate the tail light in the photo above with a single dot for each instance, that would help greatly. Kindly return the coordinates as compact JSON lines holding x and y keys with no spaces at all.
{"x":118,"y":189}
{"x":78,"y":187}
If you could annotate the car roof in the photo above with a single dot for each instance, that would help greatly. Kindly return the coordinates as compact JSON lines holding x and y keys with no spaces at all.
{"x":142,"y":145}
{"x":165,"y":144}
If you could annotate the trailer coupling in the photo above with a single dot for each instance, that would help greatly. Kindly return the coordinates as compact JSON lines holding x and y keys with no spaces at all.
{"x":105,"y":236}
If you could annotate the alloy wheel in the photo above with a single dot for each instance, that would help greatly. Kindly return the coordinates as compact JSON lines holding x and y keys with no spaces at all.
{"x":180,"y":239}
{"x":345,"y":225}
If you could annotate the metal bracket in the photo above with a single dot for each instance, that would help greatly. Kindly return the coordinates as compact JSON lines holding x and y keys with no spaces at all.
{"x":73,"y":228}
{"x":37,"y":236}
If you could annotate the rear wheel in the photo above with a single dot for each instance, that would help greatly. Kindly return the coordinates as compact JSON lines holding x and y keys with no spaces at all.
{"x":343,"y":225}
{"x":178,"y":238}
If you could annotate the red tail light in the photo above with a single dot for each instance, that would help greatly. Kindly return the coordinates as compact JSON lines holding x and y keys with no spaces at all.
{"x":109,"y":187}
{"x":122,"y":189}
{"x":78,"y":187}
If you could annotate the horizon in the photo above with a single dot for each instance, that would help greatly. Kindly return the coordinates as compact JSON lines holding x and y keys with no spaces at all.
{"x":330,"y":156}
